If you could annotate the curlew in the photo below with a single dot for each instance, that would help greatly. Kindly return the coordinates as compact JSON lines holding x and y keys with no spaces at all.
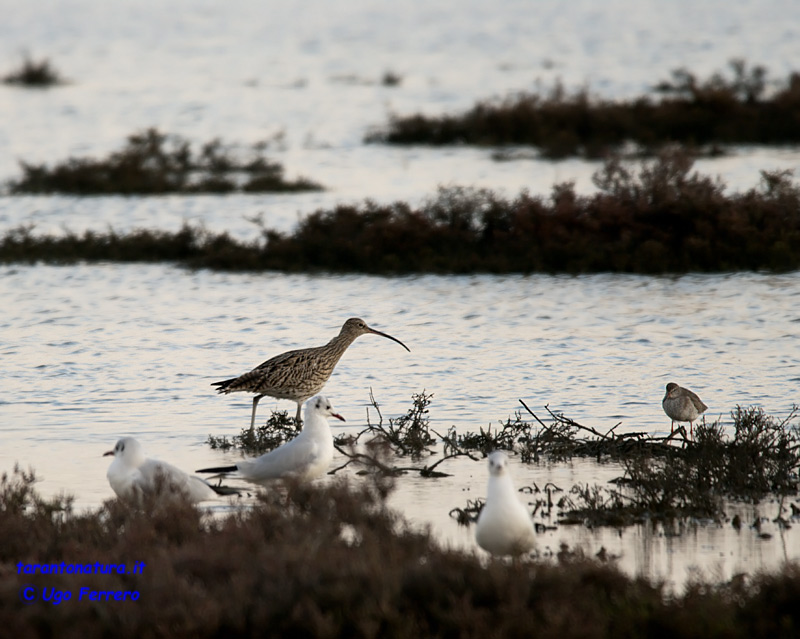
{"x":300,"y":374}
{"x":682,"y":405}
{"x":131,"y":475}
{"x":305,"y":457}
{"x":504,"y":525}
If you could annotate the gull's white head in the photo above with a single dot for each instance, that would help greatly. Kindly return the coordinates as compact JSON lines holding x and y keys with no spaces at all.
{"x":320,"y":406}
{"x":498,"y":463}
{"x":129,"y":451}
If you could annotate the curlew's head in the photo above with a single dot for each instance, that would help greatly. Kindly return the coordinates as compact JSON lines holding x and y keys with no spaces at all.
{"x":321,"y":407}
{"x":498,"y":463}
{"x":354,"y":327}
{"x":129,"y":451}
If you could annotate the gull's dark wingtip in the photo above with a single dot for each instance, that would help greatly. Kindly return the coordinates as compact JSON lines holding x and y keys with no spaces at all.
{"x":224,"y":490}
{"x":218,"y":469}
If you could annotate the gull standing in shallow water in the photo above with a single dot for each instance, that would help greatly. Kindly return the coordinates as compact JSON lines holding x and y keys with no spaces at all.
{"x":682,"y":405}
{"x":306,"y":457}
{"x":132,"y":475}
{"x":300,"y":374}
{"x":504,"y":525}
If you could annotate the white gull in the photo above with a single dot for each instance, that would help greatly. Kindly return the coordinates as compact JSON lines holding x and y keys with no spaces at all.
{"x":132,"y":475}
{"x":305,"y":457}
{"x":504,"y":525}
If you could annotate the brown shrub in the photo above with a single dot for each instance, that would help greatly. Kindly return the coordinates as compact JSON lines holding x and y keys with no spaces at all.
{"x":154,"y":163}
{"x":332,"y":562}
{"x":716,"y":111}
{"x":663,"y":218}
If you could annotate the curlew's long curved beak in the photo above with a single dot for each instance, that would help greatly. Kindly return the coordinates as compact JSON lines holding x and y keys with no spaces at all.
{"x":394,"y":339}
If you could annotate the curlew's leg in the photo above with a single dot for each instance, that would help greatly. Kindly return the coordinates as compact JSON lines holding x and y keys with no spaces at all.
{"x":253,"y":417}
{"x":672,"y":430}
{"x":297,"y":420}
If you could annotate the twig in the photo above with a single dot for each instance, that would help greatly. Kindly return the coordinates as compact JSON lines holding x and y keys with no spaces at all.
{"x":534,"y":415}
{"x":377,"y":408}
{"x":356,"y":457}
{"x":571,"y":422}
{"x":612,"y":429}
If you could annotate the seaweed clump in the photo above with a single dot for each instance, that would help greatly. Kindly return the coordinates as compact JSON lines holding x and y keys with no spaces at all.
{"x":409,"y":435}
{"x":154,"y":163}
{"x":560,"y":440}
{"x":762,"y":458}
{"x":33,"y":73}
{"x":709,"y":113}
{"x":278,"y":429}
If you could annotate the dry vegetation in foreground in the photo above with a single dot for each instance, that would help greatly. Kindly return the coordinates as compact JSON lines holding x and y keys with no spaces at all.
{"x":32,"y":73}
{"x":661,"y":218}
{"x":333,"y":561}
{"x":709,"y":113}
{"x":154,"y":163}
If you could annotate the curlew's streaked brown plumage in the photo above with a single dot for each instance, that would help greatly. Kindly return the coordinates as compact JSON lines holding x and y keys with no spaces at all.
{"x":682,"y":405}
{"x":298,"y":375}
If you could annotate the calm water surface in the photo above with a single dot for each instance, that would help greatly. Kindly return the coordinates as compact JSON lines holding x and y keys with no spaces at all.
{"x":92,"y":353}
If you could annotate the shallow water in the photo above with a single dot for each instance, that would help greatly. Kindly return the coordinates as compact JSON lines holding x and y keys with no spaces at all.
{"x":92,"y":353}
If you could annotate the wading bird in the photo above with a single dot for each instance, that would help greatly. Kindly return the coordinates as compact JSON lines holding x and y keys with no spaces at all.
{"x":682,"y":405}
{"x":299,"y":374}
{"x":305,"y":457}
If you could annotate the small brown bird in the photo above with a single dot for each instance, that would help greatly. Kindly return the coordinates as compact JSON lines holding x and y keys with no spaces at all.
{"x":298,"y":375}
{"x":682,"y":405}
